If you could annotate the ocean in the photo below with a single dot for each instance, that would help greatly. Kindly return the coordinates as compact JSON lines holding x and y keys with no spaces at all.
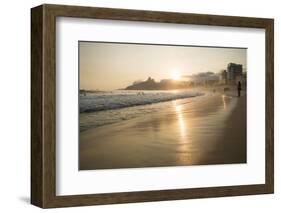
{"x":109,"y":107}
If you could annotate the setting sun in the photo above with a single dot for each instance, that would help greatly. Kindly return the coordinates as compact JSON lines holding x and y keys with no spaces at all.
{"x":175,"y":75}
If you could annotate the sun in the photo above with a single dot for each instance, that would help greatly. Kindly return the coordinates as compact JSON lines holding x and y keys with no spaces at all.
{"x":175,"y":75}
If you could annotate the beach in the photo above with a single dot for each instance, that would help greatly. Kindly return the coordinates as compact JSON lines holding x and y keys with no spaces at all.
{"x":201,"y":130}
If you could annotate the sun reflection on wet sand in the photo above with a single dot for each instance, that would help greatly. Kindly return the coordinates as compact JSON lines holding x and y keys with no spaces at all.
{"x":223,"y":101}
{"x":181,"y":120}
{"x":183,"y":148}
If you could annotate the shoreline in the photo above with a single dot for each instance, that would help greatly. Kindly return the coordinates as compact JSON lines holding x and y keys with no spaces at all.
{"x":208,"y":130}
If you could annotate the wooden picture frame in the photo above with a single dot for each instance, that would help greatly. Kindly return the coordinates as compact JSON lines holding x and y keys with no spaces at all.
{"x":43,"y":105}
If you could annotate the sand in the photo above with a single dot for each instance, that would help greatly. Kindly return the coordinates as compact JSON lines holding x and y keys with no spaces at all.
{"x":209,"y":129}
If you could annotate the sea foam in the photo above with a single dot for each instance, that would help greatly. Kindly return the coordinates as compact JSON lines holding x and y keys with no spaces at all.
{"x":100,"y":101}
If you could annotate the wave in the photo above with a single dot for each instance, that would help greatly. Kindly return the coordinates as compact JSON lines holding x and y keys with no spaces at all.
{"x":95,"y":102}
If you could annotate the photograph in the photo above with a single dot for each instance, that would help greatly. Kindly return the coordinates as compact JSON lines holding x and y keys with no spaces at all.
{"x":161,"y":105}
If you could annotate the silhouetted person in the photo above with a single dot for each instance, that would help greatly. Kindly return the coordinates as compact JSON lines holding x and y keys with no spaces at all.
{"x":239,"y":88}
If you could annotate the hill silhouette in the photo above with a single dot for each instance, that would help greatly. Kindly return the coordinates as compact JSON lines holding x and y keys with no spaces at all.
{"x":151,"y":84}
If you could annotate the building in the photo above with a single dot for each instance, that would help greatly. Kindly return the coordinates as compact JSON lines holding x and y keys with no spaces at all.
{"x":205,"y":78}
{"x":234,"y":72}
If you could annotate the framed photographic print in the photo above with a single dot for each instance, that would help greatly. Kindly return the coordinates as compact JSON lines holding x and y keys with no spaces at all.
{"x":136,"y":106}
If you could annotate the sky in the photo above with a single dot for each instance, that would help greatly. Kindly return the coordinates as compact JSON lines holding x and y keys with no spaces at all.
{"x":110,"y":66}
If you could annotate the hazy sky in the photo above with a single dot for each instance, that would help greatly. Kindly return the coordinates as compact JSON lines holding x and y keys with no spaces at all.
{"x":108,"y":66}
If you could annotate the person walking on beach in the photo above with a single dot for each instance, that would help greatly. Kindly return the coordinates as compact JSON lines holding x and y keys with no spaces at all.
{"x":239,"y":88}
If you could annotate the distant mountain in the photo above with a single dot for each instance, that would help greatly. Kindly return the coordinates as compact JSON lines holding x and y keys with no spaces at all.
{"x":151,"y":84}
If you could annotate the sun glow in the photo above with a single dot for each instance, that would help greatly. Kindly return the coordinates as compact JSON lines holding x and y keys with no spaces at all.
{"x":175,"y":75}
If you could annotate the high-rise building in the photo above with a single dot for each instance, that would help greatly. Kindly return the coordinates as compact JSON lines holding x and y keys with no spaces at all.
{"x":234,"y":72}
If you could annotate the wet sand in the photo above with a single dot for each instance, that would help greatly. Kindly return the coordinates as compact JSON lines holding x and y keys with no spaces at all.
{"x":209,"y":129}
